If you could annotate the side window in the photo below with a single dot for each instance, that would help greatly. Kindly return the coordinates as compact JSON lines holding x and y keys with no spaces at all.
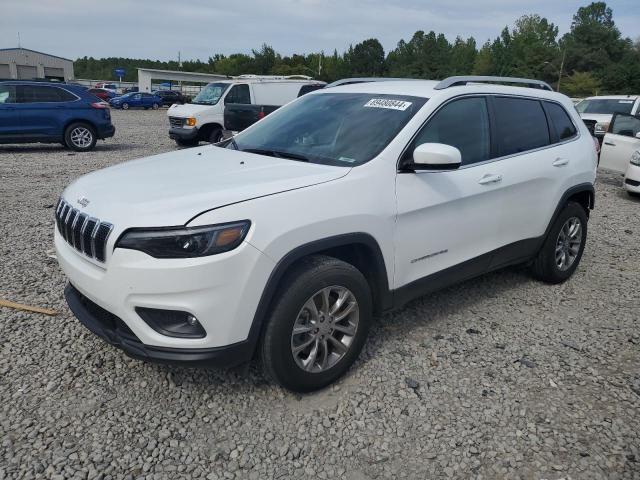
{"x":521,"y":125}
{"x":463,"y":124}
{"x":560,"y":120}
{"x":625,"y":125}
{"x":238,"y":94}
{"x":42,"y":94}
{"x":7,"y":94}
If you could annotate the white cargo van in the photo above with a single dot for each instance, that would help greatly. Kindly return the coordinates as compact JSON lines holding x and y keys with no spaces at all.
{"x":203,"y":118}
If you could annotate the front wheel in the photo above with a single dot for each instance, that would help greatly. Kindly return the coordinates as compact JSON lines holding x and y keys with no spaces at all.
{"x":562,"y":249}
{"x":80,"y":137}
{"x":216,"y":135}
{"x":125,"y":106}
{"x":318,"y":325}
{"x":186,"y":143}
{"x":155,"y":106}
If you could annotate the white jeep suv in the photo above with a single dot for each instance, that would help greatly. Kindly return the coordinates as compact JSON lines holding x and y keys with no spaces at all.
{"x":287,"y":239}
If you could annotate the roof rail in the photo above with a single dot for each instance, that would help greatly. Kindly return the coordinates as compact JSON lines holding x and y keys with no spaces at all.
{"x":463,"y":80}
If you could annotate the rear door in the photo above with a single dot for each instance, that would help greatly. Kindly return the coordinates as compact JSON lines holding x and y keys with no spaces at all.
{"x":620,"y":142}
{"x":43,"y":109}
{"x":9,"y":112}
{"x":532,"y":172}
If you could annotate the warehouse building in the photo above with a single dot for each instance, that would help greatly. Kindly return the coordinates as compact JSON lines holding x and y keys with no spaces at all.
{"x":25,"y":64}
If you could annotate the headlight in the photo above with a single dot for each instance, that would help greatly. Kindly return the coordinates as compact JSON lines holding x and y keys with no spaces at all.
{"x":635,"y":158}
{"x":191,"y":122}
{"x":601,"y":128}
{"x":183,"y":242}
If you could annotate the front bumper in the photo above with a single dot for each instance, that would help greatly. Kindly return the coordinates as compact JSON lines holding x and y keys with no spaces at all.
{"x":222,"y":291}
{"x":114,"y":331}
{"x":178,"y":133}
{"x":632,"y":179}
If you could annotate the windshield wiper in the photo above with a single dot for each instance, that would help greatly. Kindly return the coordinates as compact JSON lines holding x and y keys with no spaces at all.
{"x":277,"y":154}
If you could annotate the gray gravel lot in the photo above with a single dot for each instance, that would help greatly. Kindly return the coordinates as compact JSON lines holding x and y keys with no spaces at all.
{"x":500,"y":377}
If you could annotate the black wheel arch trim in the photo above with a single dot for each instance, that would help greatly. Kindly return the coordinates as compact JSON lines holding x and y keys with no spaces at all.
{"x":381,"y":280}
{"x":580,"y":188}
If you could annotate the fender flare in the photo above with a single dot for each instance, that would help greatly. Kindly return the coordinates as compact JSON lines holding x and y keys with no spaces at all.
{"x":582,"y":187}
{"x":270,"y":289}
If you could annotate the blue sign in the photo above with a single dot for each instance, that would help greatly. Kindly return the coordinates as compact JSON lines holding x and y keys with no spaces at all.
{"x":119,"y":72}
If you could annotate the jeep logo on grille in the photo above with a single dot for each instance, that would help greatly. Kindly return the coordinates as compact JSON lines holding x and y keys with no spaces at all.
{"x":84,"y":201}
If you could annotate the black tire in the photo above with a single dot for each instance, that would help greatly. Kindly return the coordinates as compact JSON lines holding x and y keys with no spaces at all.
{"x":80,"y":137}
{"x":216,"y":135}
{"x":125,"y":106}
{"x":305,"y":280}
{"x":545,"y":266}
{"x":186,"y":143}
{"x":155,"y":106}
{"x":633,"y":194}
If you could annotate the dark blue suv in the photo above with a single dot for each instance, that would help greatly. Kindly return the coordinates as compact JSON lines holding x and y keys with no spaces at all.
{"x":52,"y":113}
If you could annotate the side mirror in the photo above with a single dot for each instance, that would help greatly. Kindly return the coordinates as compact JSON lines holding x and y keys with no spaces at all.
{"x":436,"y":156}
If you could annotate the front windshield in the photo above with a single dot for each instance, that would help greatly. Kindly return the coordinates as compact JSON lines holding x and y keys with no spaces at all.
{"x":210,"y":95}
{"x":605,"y":106}
{"x":345,"y":129}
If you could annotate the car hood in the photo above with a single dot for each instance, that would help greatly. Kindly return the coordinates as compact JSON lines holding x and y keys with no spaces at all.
{"x":172,"y":188}
{"x":186,"y":110}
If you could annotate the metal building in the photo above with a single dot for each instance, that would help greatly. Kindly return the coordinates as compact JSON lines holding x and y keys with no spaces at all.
{"x":25,"y":64}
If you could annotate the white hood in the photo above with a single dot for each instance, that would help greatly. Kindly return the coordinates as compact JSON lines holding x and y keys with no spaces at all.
{"x":187,"y":110}
{"x":598,"y":117}
{"x":172,"y":188}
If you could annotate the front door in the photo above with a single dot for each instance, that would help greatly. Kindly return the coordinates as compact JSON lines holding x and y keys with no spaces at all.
{"x":447,"y":220}
{"x":620,"y":142}
{"x":9,"y":112}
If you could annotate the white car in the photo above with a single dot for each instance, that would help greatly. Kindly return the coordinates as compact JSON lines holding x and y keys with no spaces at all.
{"x":596,"y":112}
{"x":203,"y":118}
{"x":621,"y":150}
{"x":287,"y":239}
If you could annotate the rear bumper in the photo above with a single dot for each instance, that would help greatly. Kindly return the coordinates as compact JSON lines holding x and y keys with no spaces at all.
{"x":115,"y":332}
{"x":183,"y":133}
{"x":106,"y":131}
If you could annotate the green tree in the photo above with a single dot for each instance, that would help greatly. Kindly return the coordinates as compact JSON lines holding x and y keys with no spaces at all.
{"x":463,"y":56}
{"x":581,"y":84}
{"x":367,"y":59}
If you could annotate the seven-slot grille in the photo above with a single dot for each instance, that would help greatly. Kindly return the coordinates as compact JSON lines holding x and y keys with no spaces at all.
{"x":84,"y":233}
{"x":176,"y":122}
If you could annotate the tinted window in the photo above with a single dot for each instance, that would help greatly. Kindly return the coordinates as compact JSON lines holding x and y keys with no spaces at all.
{"x":605,"y":106}
{"x":39,"y":94}
{"x":561,"y":121}
{"x":309,"y":88}
{"x":238,"y":94}
{"x":625,"y":125}
{"x":463,"y":124}
{"x":520,"y":125}
{"x":7,"y":94}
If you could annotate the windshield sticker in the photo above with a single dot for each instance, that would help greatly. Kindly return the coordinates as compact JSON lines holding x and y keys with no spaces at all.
{"x":387,"y":103}
{"x":625,"y":101}
{"x":347,"y":159}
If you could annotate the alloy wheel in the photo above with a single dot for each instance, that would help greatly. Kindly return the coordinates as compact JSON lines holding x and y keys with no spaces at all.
{"x":568,"y":243}
{"x":324,"y":329}
{"x":81,"y":137}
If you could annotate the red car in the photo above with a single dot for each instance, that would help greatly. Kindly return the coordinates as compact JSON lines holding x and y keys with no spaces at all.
{"x":102,"y":94}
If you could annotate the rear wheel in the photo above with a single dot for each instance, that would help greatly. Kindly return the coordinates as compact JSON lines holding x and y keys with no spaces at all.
{"x":80,"y":137}
{"x":155,"y":106}
{"x":318,"y":325}
{"x":125,"y":106}
{"x":562,"y":249}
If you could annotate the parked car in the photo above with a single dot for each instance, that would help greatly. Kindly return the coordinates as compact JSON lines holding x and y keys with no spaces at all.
{"x":596,"y":112}
{"x":39,"y":112}
{"x":102,"y":94}
{"x":169,"y":97}
{"x":621,"y":150}
{"x":136,"y":100}
{"x":203,"y":118}
{"x":347,"y":202}
{"x":107,"y":86}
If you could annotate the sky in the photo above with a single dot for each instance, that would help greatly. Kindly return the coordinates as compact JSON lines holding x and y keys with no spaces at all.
{"x":159,"y":29}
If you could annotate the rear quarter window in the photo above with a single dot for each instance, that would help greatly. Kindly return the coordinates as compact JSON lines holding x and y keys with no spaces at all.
{"x":560,"y":121}
{"x":520,"y":125}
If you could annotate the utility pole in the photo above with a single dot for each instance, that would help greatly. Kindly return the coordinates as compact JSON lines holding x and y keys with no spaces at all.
{"x":564,"y":54}
{"x":19,"y":45}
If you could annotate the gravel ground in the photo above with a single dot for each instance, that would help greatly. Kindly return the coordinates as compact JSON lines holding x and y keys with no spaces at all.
{"x":500,"y":377}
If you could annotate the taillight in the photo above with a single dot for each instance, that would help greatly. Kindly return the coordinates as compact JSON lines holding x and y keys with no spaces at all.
{"x":100,"y":105}
{"x":596,"y":144}
{"x":261,"y":114}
